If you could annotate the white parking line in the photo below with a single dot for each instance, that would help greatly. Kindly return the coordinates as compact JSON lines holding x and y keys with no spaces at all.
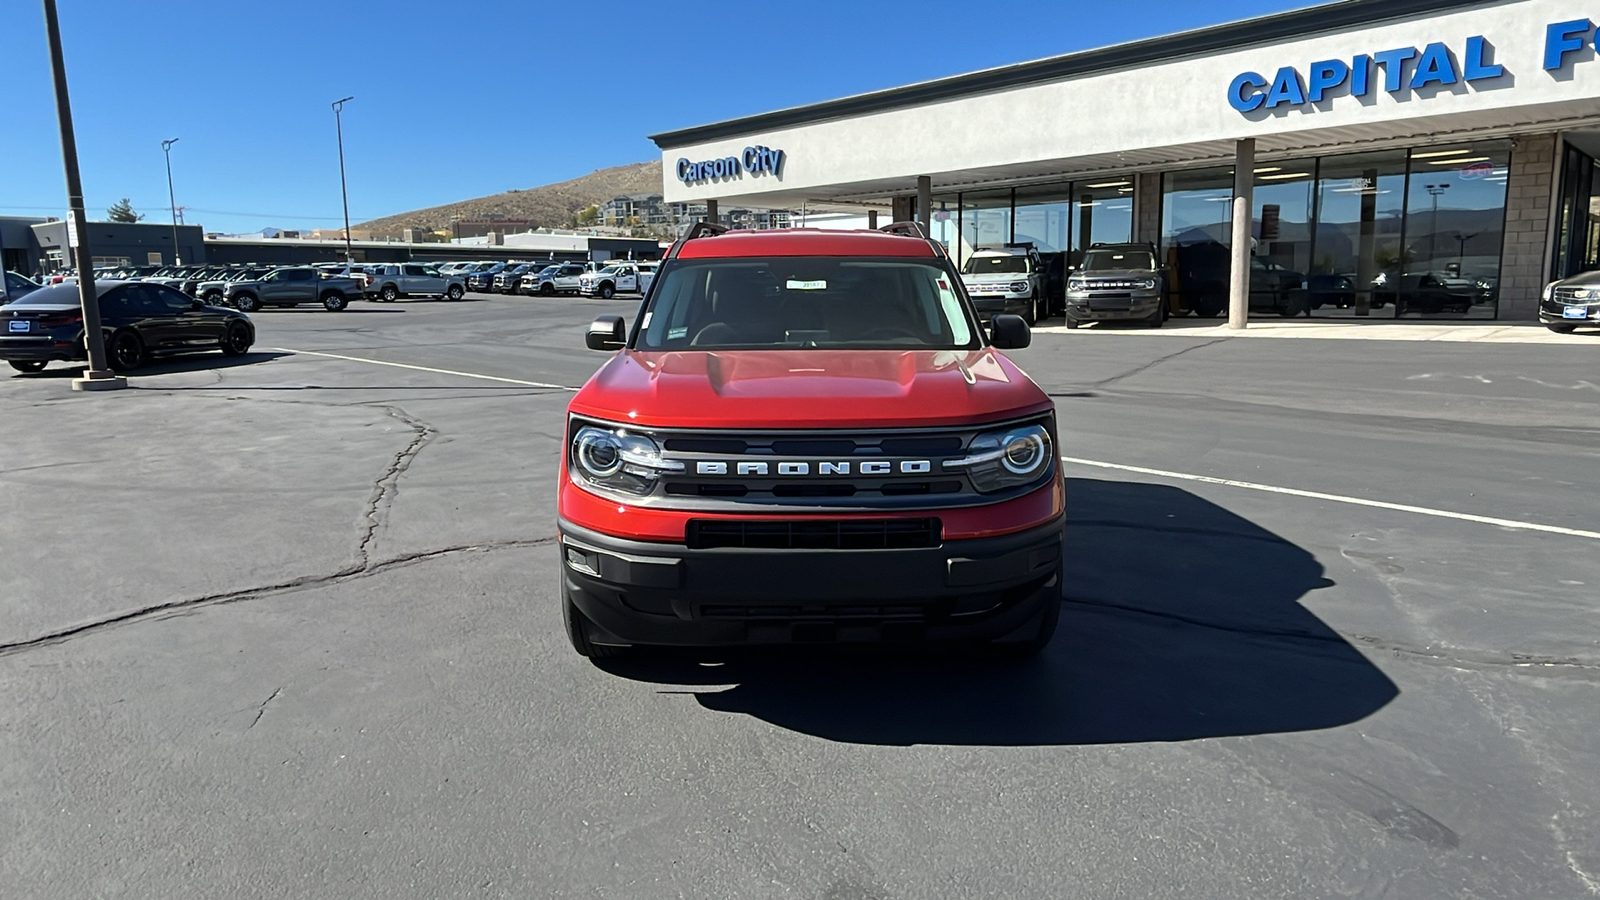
{"x":1336,"y":498}
{"x":380,"y":362}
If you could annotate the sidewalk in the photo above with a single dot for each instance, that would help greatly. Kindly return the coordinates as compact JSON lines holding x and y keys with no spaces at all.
{"x":1381,"y":330}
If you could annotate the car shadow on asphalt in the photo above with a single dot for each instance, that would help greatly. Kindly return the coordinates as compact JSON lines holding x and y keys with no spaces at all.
{"x":194,"y":362}
{"x":1180,"y":621}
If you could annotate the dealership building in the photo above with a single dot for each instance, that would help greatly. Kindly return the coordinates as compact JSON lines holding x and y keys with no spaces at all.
{"x":1412,"y":158}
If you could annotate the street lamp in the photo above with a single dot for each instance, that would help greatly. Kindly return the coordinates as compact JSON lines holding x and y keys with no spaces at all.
{"x":98,"y":377}
{"x":338,"y":124}
{"x":166,"y":148}
{"x":1434,"y":191}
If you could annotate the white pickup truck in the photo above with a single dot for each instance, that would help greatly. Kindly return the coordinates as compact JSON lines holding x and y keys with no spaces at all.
{"x":556,"y":279}
{"x":615,"y":278}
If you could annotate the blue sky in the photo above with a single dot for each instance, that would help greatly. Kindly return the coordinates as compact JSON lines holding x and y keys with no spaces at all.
{"x":465,"y":98}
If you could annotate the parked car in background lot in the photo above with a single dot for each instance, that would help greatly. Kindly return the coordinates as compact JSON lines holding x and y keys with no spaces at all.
{"x":215,"y":292}
{"x":1118,"y":282}
{"x":291,"y":287}
{"x":609,"y":281}
{"x":1006,"y":281}
{"x":507,"y":280}
{"x":391,"y":281}
{"x":482,"y":280}
{"x":140,"y":320}
{"x":552,"y":280}
{"x":647,"y":276}
{"x":15,"y":287}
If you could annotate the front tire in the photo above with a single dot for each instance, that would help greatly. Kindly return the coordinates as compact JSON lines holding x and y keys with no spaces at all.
{"x":607,"y":291}
{"x":126,"y":351}
{"x":247,"y":302}
{"x":1073,"y":323}
{"x":547,"y":290}
{"x":1016,"y":651}
{"x":333,"y":301}
{"x":30,"y":366}
{"x":236,"y":339}
{"x":454,"y":292}
{"x":214,"y":298}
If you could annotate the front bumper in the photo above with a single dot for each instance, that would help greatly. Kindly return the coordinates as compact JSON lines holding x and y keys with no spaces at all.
{"x":1551,"y":312}
{"x":1139,"y":307}
{"x":668,"y":594}
{"x":989,"y":306}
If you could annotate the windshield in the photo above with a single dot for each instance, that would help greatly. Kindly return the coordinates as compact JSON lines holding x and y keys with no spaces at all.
{"x":1109,"y":260}
{"x":996,"y":265}
{"x":805,"y":302}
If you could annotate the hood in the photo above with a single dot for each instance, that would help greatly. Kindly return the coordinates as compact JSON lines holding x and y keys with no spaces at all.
{"x":809,"y":389}
{"x":992,"y":277}
{"x":1585,"y":279}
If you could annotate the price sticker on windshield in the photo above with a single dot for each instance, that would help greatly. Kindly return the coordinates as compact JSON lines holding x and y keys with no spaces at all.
{"x":795,"y":285}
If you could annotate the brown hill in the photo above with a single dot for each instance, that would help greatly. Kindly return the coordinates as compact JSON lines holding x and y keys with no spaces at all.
{"x":550,"y":206}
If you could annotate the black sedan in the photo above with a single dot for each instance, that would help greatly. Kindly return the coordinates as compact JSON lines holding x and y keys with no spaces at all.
{"x":140,"y":320}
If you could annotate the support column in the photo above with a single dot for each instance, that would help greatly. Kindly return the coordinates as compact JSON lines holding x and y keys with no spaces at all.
{"x":1244,"y":180}
{"x":711,"y":212}
{"x":872,"y":219}
{"x":925,"y":202}
{"x":1531,"y":210}
{"x":900,"y":208}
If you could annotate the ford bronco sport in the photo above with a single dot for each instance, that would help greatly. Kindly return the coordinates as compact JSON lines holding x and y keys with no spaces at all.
{"x":807,"y":436}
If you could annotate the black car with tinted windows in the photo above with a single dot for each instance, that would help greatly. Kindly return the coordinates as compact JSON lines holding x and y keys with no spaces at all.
{"x":1572,"y":303}
{"x":139,"y":320}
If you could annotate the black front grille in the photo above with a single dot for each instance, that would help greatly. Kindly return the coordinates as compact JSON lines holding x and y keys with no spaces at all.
{"x":816,"y":534}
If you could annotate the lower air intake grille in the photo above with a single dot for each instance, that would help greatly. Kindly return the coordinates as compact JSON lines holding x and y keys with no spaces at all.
{"x":816,"y":534}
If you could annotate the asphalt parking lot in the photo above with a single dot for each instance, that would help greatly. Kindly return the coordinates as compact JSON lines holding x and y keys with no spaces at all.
{"x":287,"y":626}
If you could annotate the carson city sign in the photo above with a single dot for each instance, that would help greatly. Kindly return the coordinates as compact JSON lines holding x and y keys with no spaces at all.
{"x":1398,"y":71}
{"x":755,"y":160}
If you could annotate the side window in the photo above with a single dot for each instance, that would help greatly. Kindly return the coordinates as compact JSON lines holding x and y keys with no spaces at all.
{"x":414,"y":270}
{"x":116,"y":302}
{"x":174,"y":301}
{"x":300,"y":275}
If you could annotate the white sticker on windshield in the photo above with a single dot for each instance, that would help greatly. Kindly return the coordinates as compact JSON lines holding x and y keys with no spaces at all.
{"x":675,"y":333}
{"x":794,"y":285}
{"x":646,"y":322}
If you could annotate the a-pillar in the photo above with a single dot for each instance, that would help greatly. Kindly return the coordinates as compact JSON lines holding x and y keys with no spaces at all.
{"x":711,"y":212}
{"x":1244,"y":180}
{"x":925,"y":202}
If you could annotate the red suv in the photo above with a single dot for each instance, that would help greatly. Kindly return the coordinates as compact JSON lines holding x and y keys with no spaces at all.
{"x":808,"y":437}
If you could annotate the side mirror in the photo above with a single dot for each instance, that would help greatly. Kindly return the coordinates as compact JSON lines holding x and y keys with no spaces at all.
{"x":611,"y":333}
{"x":197,"y":303}
{"x":1008,"y":332}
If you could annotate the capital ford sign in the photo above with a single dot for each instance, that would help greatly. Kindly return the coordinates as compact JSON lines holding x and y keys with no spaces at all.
{"x":754,"y":160}
{"x":1399,"y":71}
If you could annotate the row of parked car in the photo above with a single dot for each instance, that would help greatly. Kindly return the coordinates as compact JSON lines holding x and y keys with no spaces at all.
{"x":250,"y":287}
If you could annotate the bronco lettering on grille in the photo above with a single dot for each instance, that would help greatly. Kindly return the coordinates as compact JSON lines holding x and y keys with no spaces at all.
{"x":794,"y":468}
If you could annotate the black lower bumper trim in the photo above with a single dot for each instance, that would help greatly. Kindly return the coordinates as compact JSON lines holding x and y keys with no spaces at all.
{"x":668,"y":594}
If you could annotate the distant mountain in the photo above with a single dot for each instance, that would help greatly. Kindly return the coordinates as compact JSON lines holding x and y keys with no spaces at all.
{"x":551,"y":206}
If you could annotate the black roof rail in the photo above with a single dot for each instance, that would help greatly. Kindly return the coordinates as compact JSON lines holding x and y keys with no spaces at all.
{"x":699,"y":229}
{"x":909,"y":229}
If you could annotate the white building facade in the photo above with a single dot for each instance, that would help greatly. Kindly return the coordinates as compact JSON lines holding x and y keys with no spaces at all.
{"x":1411,"y":158}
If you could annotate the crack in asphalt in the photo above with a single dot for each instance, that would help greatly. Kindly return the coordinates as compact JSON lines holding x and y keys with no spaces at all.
{"x":262,"y":709}
{"x":1158,"y":361}
{"x":293,"y":585}
{"x":387,"y":486}
{"x":1455,"y":658}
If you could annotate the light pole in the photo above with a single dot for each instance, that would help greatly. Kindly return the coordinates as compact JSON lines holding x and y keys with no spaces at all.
{"x":98,"y":377}
{"x":1434,"y":190}
{"x":166,"y":148}
{"x":338,"y":124}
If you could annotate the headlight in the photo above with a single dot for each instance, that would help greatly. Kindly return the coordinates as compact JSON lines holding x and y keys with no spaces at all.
{"x":1006,"y":459}
{"x":617,"y":460}
{"x":1549,"y":290}
{"x":1077,"y":285}
{"x":1019,"y":287}
{"x":1149,"y":284}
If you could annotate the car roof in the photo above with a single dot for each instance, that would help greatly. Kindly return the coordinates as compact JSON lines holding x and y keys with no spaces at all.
{"x":804,"y":242}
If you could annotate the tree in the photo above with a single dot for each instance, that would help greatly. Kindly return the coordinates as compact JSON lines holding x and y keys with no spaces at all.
{"x":122,"y":211}
{"x":589,"y":214}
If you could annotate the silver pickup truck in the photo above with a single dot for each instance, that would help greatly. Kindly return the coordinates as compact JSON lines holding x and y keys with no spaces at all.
{"x":391,"y":281}
{"x":292,"y":287}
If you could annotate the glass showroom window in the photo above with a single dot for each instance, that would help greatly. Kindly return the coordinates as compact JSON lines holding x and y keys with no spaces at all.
{"x":1578,"y":216}
{"x":1102,"y":213}
{"x":943,"y":222}
{"x":1360,"y":213}
{"x":1044,"y":217}
{"x":1455,"y":226}
{"x":985,"y":220}
{"x":1196,"y":218}
{"x":1281,"y":232}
